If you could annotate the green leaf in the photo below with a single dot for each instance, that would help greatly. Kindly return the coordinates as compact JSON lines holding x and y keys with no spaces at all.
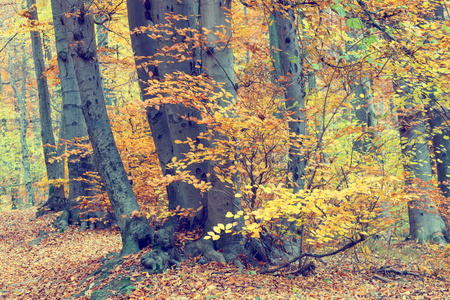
{"x":370,"y":60}
{"x":315,"y":66}
{"x":339,"y":9}
{"x":354,"y":23}
{"x":446,"y":28}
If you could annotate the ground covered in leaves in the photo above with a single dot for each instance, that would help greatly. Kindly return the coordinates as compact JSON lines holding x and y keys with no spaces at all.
{"x":54,"y":268}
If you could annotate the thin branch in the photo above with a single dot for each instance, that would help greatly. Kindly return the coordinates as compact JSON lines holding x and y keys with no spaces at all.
{"x":9,"y":41}
{"x":373,"y":22}
{"x":345,"y":247}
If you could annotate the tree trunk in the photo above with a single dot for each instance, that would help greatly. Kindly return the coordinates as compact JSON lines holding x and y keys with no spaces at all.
{"x":23,"y":124}
{"x":55,"y":169}
{"x":292,"y":65}
{"x":438,"y":118}
{"x":134,"y":228}
{"x":218,"y":64}
{"x":168,"y":123}
{"x":361,"y":101}
{"x":424,"y":220}
{"x":73,"y":126}
{"x":103,"y":42}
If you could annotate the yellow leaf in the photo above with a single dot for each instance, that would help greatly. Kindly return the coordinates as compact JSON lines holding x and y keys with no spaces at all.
{"x":238,"y":195}
{"x":229,"y":225}
{"x":229,"y":214}
{"x":216,"y":229}
{"x":216,"y":237}
{"x":221,"y":226}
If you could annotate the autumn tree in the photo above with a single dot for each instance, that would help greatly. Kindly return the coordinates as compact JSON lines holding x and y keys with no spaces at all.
{"x":73,"y":135}
{"x":79,"y":22}
{"x":172,"y":123}
{"x":54,"y":169}
{"x":20,"y":96}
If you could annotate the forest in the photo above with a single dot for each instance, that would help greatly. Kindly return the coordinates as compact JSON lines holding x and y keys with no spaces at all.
{"x":225,"y":149}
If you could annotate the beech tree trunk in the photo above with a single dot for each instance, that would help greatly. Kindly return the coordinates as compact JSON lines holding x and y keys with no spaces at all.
{"x":170,"y":122}
{"x":218,"y":64}
{"x":73,"y":126}
{"x":55,"y":170}
{"x":438,"y":118}
{"x":103,"y":41}
{"x":134,"y":228}
{"x":424,"y":220}
{"x":292,"y":65}
{"x":21,"y":98}
{"x":440,"y":131}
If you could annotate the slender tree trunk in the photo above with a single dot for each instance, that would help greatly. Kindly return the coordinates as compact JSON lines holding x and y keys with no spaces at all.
{"x":103,"y":42}
{"x":1,"y":87}
{"x":292,"y":65}
{"x":362,"y":107}
{"x":218,"y":64}
{"x":73,"y":126}
{"x":438,"y":118}
{"x":424,"y":220}
{"x":134,"y":228}
{"x":55,"y":169}
{"x":23,"y":124}
{"x":274,"y":43}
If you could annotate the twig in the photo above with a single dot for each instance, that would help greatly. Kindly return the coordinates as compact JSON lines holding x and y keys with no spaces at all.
{"x":9,"y":41}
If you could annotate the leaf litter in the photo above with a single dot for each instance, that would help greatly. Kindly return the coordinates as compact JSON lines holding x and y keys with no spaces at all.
{"x":55,"y":267}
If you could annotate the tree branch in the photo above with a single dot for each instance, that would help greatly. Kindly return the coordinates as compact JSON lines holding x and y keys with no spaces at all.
{"x":345,"y":247}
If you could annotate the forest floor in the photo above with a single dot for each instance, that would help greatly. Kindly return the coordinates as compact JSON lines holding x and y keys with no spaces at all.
{"x":54,"y":268}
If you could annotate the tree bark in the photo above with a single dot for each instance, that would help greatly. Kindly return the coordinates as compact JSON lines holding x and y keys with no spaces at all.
{"x":218,"y":64}
{"x":103,"y":42}
{"x":438,"y":118}
{"x":292,"y":65}
{"x":56,"y":169}
{"x":424,"y":220}
{"x":134,"y":228}
{"x":20,"y":97}
{"x":171,"y":121}
{"x":73,"y":126}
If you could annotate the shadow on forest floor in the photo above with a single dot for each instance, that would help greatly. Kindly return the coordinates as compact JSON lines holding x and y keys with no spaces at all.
{"x":54,"y":268}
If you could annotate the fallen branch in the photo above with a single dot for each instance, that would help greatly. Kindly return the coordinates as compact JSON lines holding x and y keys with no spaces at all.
{"x":396,"y":272}
{"x":345,"y":247}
